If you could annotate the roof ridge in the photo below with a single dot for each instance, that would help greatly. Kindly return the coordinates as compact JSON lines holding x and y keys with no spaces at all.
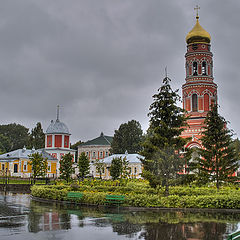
{"x":106,"y":139}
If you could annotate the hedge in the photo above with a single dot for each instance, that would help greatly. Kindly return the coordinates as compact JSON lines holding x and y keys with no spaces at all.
{"x":215,"y":200}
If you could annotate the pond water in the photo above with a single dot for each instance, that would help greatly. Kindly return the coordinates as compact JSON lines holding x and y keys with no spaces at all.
{"x":23,"y":219}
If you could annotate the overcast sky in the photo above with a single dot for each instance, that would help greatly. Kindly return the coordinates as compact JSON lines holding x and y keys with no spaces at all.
{"x":102,"y":60}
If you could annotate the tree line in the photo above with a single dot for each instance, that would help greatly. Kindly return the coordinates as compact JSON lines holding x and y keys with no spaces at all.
{"x":15,"y":136}
{"x":119,"y":167}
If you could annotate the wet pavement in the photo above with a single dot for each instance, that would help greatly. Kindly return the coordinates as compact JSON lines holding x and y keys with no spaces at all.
{"x":22,"y":218}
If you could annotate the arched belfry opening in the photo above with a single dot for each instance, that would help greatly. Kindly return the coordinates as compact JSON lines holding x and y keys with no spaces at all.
{"x":204,"y":68}
{"x":206,"y":102}
{"x":194,"y":102}
{"x":195,"y":69}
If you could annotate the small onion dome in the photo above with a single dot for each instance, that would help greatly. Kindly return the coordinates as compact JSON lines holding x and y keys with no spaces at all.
{"x":57,"y":127}
{"x":198,"y":34}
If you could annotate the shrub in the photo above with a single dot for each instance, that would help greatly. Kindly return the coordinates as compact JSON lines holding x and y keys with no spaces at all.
{"x":139,"y":195}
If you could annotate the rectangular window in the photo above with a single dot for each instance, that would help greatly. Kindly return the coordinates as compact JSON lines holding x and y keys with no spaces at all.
{"x":94,"y":155}
{"x":106,"y":154}
{"x":66,"y":141}
{"x":58,"y":140}
{"x":87,"y":154}
{"x":49,"y":141}
{"x":49,"y":167}
{"x":25,"y":166}
{"x":101,"y":154}
{"x":15,"y":168}
{"x":3,"y":166}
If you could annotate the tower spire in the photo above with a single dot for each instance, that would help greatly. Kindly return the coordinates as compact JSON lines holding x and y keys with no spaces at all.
{"x":58,"y":112}
{"x":197,"y":8}
{"x":166,"y":75}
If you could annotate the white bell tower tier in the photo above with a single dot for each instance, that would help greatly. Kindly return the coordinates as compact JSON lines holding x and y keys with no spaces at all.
{"x":57,"y":140}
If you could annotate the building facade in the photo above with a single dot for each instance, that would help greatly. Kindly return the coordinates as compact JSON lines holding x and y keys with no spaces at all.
{"x":17,"y":164}
{"x":199,"y":90}
{"x":135,"y":165}
{"x":97,"y":148}
{"x":57,"y":141}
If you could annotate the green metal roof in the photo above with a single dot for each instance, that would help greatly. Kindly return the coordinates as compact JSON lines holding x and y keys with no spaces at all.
{"x":102,"y":140}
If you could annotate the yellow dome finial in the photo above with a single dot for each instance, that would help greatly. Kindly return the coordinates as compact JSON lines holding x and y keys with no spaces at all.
{"x":198,"y":34}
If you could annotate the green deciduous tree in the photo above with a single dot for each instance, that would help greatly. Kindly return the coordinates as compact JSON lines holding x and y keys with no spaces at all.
{"x":128,"y":137}
{"x":119,"y":168}
{"x":218,"y":158}
{"x":39,"y":165}
{"x":5,"y":144}
{"x":37,"y":137}
{"x":17,"y":134}
{"x":163,"y":142}
{"x":75,"y":145}
{"x":66,"y":167}
{"x":83,"y":165}
{"x":116,"y":168}
{"x":100,"y":165}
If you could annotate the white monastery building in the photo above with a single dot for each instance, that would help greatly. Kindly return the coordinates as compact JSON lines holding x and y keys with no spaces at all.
{"x":135,"y":165}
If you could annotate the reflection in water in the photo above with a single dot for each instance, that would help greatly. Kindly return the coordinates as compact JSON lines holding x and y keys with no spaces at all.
{"x":21,"y":218}
{"x":184,"y":231}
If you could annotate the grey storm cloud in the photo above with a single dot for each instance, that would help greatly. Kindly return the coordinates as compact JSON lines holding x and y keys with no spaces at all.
{"x":102,"y":60}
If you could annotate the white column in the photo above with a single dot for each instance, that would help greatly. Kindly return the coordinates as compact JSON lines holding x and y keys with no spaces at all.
{"x":62,"y":141}
{"x":53,"y":140}
{"x":46,"y":141}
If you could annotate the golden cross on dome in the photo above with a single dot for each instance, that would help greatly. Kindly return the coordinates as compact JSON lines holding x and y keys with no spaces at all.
{"x":197,"y":8}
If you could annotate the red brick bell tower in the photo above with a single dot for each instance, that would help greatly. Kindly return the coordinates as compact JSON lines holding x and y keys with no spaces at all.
{"x":199,"y":91}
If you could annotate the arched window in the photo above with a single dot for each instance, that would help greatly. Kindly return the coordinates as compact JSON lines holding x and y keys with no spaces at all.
{"x":204,"y":68}
{"x":206,"y":102}
{"x":194,"y":102}
{"x":195,"y":70}
{"x":193,"y":160}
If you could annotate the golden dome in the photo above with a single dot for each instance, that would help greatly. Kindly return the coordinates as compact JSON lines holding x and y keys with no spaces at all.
{"x":198,"y":34}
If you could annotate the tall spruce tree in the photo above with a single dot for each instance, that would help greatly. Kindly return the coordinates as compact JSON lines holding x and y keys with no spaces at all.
{"x":125,"y":168}
{"x":37,"y":137}
{"x":218,"y":158}
{"x":163,"y":142}
{"x":83,"y":165}
{"x":66,"y":167}
{"x":236,"y":146}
